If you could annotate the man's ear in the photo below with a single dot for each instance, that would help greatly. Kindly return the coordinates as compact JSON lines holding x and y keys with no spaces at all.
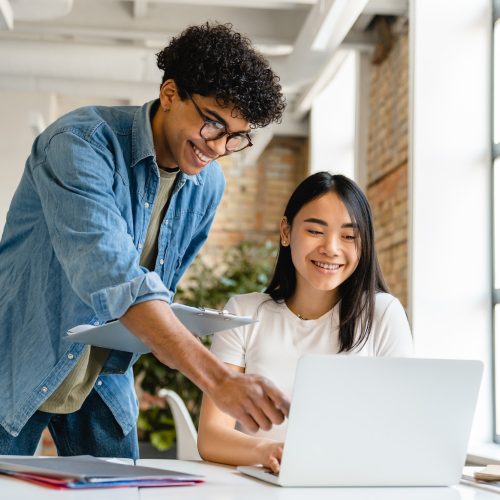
{"x":284,"y":232}
{"x":168,"y":94}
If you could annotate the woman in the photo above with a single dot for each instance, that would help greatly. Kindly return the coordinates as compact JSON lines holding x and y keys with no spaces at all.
{"x":327,"y":295}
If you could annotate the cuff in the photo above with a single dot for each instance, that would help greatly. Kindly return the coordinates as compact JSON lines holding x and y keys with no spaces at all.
{"x":114,"y":301}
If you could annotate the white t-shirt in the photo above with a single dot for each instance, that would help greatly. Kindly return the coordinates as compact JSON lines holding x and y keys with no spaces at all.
{"x":273,"y":346}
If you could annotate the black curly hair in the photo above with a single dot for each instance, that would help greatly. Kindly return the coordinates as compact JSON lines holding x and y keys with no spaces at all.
{"x":213,"y":60}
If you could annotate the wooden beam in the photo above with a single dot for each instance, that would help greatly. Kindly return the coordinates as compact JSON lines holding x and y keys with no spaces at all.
{"x":140,"y":8}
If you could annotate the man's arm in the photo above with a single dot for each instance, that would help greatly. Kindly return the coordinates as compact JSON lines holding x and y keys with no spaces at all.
{"x":252,"y":400}
{"x":88,"y":233}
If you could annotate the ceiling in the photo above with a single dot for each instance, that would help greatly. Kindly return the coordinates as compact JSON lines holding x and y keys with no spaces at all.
{"x":106,"y":48}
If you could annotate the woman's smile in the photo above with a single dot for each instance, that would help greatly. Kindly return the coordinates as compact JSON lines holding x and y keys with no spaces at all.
{"x":327,"y":267}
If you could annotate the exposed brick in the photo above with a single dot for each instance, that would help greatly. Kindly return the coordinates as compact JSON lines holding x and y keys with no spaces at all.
{"x":255,"y":196}
{"x":387,"y":164}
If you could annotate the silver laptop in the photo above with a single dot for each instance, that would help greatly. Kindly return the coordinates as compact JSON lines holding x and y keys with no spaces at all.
{"x":358,"y":421}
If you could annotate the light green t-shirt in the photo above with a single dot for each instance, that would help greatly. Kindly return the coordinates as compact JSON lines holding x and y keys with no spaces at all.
{"x":75,"y":388}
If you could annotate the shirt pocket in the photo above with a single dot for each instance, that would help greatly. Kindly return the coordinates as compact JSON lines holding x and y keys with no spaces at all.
{"x":183,"y":228}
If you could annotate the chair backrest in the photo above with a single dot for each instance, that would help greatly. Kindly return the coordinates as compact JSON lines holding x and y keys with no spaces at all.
{"x":187,"y":448}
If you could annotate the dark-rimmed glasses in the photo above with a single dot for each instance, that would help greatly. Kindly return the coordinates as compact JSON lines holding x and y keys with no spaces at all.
{"x":211,"y":130}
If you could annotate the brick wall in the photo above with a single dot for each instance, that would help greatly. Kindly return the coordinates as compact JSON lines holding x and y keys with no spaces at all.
{"x":387,"y":164}
{"x":256,"y":195}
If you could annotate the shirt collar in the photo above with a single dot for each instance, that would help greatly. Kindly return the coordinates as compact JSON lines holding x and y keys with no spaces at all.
{"x":142,"y":140}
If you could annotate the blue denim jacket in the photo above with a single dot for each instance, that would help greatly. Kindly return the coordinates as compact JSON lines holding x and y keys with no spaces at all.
{"x":70,"y":251}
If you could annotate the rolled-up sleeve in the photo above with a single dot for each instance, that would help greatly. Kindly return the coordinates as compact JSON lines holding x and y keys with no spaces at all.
{"x":89,"y":235}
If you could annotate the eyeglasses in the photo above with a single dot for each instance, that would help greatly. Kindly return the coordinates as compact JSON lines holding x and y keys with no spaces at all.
{"x":211,"y":130}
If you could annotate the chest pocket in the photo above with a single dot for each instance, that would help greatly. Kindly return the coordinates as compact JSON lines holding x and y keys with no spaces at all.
{"x":180,"y":232}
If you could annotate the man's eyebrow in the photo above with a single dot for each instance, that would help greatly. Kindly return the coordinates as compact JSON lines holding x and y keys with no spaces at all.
{"x":214,"y":114}
{"x":321,"y":222}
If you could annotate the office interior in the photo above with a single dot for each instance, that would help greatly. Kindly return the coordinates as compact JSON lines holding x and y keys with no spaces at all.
{"x":403,"y":96}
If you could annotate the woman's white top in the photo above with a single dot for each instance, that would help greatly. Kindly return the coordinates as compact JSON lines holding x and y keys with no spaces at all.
{"x":273,"y":346}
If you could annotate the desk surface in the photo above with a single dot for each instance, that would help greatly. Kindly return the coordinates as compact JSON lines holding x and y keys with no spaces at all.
{"x":225,"y":483}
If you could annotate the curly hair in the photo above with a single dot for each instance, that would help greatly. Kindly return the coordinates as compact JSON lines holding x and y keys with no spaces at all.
{"x":214,"y":60}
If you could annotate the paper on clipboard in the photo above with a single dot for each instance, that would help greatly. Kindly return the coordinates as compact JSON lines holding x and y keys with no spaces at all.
{"x":200,"y":321}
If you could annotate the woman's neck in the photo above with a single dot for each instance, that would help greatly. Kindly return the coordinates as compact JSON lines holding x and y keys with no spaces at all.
{"x":311,"y":304}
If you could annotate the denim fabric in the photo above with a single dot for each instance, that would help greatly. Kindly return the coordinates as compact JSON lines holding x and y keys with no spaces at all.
{"x":92,"y":430}
{"x":71,"y":246}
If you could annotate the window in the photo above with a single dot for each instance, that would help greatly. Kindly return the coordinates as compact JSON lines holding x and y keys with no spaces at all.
{"x":495,"y":177}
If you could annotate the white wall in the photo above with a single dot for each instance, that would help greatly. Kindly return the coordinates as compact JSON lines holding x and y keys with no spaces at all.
{"x":450,"y":141}
{"x":332,"y":122}
{"x":17,"y":136}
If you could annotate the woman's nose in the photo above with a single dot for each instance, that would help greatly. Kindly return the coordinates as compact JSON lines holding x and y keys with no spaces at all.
{"x":331,"y":246}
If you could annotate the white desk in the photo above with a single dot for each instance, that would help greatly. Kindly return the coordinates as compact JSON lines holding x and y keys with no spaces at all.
{"x":14,"y":489}
{"x":225,"y":483}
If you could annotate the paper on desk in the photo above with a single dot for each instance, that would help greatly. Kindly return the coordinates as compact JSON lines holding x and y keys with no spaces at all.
{"x":90,"y":472}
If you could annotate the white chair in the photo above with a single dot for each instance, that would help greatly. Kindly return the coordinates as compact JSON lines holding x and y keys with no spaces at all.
{"x":187,"y":448}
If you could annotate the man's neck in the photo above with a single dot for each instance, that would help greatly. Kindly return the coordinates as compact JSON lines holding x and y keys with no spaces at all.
{"x":164,"y":157}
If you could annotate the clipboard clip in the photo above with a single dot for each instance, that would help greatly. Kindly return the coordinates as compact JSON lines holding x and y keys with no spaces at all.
{"x":219,"y":312}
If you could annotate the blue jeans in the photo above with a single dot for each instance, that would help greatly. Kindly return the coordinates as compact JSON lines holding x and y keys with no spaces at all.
{"x":92,"y":430}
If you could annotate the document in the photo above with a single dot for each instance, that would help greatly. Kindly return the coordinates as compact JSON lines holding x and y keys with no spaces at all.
{"x":90,"y":472}
{"x":198,"y":320}
{"x":472,"y":477}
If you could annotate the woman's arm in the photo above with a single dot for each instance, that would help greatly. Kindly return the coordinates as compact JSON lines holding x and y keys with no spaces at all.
{"x":219,"y":441}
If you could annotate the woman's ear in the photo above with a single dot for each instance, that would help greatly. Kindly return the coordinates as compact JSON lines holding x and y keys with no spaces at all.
{"x":284,"y":232}
{"x":168,"y":93}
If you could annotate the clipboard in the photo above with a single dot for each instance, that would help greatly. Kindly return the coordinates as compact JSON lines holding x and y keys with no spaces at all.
{"x":200,"y":321}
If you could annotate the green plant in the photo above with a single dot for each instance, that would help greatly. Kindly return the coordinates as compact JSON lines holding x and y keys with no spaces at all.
{"x":245,"y":268}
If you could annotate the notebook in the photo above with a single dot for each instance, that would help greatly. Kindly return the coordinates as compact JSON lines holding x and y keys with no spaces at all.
{"x":363,"y":421}
{"x":82,"y":472}
{"x":198,"y":320}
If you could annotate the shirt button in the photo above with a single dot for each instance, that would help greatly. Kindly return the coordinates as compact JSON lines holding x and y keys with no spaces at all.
{"x":96,"y":323}
{"x":146,"y":205}
{"x":162,"y":262}
{"x":70,"y":356}
{"x":99,"y":383}
{"x":139,"y":245}
{"x":44,"y":389}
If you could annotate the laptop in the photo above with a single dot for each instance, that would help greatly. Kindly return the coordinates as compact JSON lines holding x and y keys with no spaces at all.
{"x":359,"y":421}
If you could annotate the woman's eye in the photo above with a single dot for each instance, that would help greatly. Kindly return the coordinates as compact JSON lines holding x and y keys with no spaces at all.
{"x":350,"y":237}
{"x":312,"y":231}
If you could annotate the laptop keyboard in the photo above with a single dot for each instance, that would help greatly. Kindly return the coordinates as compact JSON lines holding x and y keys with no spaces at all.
{"x":269,"y":471}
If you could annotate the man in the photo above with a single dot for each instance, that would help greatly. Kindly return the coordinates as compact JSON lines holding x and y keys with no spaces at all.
{"x":112,"y":207}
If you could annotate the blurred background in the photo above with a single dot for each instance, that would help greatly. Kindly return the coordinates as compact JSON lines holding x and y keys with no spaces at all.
{"x":400,"y":95}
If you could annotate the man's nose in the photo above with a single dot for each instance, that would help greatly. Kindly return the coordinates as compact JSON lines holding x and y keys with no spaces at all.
{"x":218,"y":146}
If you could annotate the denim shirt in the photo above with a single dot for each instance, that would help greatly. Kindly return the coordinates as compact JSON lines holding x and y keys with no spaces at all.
{"x":71,"y":246}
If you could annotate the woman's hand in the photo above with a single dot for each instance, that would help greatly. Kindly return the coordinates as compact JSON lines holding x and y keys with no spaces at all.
{"x":270,"y":453}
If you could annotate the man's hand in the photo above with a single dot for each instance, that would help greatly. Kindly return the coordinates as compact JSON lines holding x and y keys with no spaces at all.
{"x":252,"y":400}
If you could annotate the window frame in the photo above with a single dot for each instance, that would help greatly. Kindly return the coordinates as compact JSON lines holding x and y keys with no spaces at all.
{"x":495,"y":260}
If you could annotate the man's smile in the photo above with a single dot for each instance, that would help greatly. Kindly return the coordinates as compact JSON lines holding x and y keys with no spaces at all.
{"x":203,"y":157}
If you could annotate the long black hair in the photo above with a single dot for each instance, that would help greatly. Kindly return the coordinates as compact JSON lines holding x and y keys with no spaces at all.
{"x":357,"y":293}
